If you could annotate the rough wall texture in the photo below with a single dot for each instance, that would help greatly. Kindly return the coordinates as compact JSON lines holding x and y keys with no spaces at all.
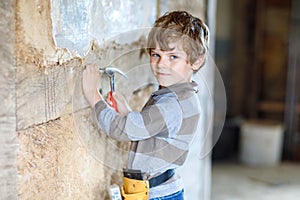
{"x":195,"y":7}
{"x":8,"y":138}
{"x":62,"y":154}
{"x":54,"y":165}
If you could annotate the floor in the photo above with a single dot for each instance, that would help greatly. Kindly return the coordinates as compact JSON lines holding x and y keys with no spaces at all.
{"x":234,"y":181}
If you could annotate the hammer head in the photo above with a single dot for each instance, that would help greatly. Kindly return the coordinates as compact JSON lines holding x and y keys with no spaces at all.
{"x":110,"y":71}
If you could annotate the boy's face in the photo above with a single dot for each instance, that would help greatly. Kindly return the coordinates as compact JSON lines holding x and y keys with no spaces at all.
{"x":170,"y":67}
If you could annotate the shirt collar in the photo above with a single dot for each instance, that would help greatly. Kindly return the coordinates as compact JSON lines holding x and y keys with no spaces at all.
{"x":177,"y":88}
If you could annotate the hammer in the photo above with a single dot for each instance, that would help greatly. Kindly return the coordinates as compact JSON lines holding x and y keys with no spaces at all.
{"x":110,"y":72}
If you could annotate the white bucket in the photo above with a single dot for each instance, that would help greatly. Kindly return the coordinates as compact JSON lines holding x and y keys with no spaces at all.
{"x":261,"y":142}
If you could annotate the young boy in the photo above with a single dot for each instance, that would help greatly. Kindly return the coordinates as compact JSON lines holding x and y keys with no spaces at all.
{"x":162,"y":132}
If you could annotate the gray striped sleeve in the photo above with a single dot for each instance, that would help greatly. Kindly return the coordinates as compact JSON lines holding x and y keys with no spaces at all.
{"x":160,"y":118}
{"x":104,"y":116}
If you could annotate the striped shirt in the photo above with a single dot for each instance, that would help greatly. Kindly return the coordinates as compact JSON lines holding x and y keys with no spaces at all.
{"x":161,"y":133}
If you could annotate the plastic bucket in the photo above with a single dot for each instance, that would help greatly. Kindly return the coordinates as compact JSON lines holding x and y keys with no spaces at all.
{"x":261,"y":142}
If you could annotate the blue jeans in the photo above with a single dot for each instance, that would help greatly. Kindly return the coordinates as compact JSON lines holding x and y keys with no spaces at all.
{"x":175,"y":196}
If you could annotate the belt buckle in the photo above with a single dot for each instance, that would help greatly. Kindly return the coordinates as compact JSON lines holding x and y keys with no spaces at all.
{"x":135,"y":174}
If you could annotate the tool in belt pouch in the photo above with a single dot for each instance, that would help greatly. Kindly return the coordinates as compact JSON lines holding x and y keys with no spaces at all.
{"x":135,"y":185}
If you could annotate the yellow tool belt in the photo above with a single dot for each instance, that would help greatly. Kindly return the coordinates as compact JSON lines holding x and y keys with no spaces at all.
{"x":135,"y":189}
{"x":136,"y":184}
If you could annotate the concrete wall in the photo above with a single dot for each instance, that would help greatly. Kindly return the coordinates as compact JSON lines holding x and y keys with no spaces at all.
{"x":51,"y":149}
{"x":8,"y":141}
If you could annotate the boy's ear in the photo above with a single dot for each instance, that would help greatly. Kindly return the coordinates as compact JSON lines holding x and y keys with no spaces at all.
{"x":199,"y":62}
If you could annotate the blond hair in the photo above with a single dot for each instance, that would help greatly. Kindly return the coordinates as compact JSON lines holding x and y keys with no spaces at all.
{"x":180,"y":26}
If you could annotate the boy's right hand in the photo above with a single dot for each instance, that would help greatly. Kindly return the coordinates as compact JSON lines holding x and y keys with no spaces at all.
{"x":90,"y":78}
{"x":122,"y":105}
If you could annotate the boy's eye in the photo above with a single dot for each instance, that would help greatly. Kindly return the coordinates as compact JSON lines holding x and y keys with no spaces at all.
{"x":172,"y":57}
{"x":155,"y":55}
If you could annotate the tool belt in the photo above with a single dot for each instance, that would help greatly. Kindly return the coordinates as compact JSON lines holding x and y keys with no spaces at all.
{"x":136,"y":185}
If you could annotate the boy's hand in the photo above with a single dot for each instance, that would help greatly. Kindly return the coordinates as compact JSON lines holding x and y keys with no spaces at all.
{"x":90,"y":78}
{"x":122,"y":105}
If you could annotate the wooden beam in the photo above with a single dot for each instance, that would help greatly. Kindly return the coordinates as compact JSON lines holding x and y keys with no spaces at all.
{"x":292,"y":87}
{"x":274,"y":107}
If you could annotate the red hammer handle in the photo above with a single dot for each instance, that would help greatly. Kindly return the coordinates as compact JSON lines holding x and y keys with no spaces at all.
{"x":113,"y":101}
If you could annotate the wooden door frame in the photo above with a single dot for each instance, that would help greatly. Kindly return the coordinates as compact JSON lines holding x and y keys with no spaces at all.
{"x":292,"y":135}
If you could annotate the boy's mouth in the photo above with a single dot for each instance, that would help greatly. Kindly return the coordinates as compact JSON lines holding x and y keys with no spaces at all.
{"x":162,"y":74}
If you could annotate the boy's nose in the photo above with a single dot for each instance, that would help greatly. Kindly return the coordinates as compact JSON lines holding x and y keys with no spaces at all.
{"x":162,"y":62}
